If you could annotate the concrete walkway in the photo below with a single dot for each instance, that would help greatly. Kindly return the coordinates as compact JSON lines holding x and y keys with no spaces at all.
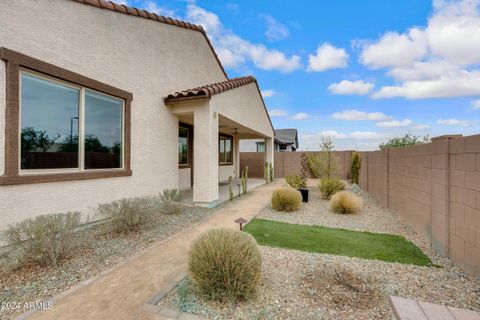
{"x":121,"y":293}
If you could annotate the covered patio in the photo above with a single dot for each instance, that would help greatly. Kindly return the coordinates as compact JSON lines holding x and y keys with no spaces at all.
{"x":212,"y":120}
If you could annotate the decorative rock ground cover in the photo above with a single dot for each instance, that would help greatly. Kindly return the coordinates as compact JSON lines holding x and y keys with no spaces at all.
{"x":302,"y":285}
{"x":100,"y":251}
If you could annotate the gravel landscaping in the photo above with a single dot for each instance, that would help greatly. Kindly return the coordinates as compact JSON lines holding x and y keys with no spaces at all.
{"x":303,"y":285}
{"x":300,"y":285}
{"x":100,"y":250}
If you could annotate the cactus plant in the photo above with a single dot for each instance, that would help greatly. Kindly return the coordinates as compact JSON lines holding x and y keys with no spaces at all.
{"x":230,"y":191}
{"x":267,"y":180}
{"x":270,"y":171}
{"x":244,"y":182}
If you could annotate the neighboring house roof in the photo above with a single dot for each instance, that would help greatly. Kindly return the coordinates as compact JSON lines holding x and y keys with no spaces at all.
{"x":209,"y":90}
{"x":121,"y":8}
{"x":287,"y":136}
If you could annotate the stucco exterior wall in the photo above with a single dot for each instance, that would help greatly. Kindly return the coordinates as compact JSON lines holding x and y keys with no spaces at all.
{"x":184,"y":178}
{"x":147,"y":58}
{"x":244,"y":105}
{"x":225,"y":171}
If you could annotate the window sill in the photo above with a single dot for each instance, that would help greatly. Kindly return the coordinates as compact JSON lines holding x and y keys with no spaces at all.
{"x":226,"y":164}
{"x":57,"y":177}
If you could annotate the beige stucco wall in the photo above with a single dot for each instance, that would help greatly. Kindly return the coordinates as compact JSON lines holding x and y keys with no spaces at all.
{"x":225,"y":171}
{"x":184,"y":178}
{"x":244,"y":105}
{"x":147,"y":58}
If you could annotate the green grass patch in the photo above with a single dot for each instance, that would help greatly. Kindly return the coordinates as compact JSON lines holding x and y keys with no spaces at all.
{"x":342,"y":242}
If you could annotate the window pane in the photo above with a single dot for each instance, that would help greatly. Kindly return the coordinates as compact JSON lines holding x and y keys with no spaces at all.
{"x":183,"y":146}
{"x":103,"y":131}
{"x":221,"y":155}
{"x":228,"y":150}
{"x":260,"y":147}
{"x":49,"y":124}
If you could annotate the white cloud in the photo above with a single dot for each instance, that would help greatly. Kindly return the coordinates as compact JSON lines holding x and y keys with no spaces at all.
{"x":327,"y":57}
{"x":355,"y":115}
{"x":269,"y":93}
{"x":395,"y":123}
{"x":453,"y":122}
{"x":422,"y":126}
{"x":153,"y":7}
{"x":278,"y":113}
{"x":300,"y":116}
{"x":476,"y":105}
{"x":275,"y":30}
{"x":437,"y":61}
{"x":339,"y":135}
{"x":234,"y":51}
{"x":346,"y":87}
{"x":395,"y":50}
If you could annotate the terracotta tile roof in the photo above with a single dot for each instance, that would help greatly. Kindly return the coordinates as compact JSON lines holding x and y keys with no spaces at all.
{"x":209,"y":89}
{"x":121,"y":8}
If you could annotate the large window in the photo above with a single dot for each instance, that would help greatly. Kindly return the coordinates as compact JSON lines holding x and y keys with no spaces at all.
{"x":183,"y":137}
{"x":68,"y":127}
{"x":225,"y":149}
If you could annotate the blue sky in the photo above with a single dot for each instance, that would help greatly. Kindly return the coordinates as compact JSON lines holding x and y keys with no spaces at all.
{"x":357,"y":71}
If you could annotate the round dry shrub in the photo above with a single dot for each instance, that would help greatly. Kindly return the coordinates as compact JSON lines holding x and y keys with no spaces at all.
{"x":225,"y":265}
{"x":286,"y":199}
{"x":346,"y":202}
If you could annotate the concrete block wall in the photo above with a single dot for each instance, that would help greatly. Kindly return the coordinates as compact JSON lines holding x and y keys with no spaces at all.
{"x":436,"y":188}
{"x":289,"y":163}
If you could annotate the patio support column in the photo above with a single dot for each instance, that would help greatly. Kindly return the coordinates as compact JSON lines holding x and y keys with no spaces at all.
{"x":205,"y":185}
{"x":236,"y":156}
{"x":269,"y":151}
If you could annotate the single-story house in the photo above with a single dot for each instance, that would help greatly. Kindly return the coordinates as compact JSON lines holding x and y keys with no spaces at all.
{"x":101,"y":101}
{"x":286,"y":140}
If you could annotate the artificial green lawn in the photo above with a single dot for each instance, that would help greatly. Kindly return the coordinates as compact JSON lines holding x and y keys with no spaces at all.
{"x":342,"y":242}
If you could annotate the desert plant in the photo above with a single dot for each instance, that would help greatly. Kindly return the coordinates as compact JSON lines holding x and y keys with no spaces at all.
{"x":244,"y":180}
{"x":45,"y":239}
{"x":129,"y":214}
{"x":407,"y":140}
{"x":225,"y":264}
{"x":230,"y":191}
{"x":330,"y":186}
{"x":270,"y":171}
{"x":170,"y":199}
{"x":295,"y":182}
{"x":355,"y":167}
{"x":304,"y":170}
{"x":266,"y":173}
{"x":346,"y":202}
{"x":286,"y":199}
{"x":325,"y":164}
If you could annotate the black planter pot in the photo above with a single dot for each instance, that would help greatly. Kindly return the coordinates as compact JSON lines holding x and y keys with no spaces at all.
{"x":304,"y":193}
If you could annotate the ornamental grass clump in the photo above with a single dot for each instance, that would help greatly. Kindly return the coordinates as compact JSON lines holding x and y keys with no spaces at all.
{"x":129,"y":214}
{"x":45,"y":239}
{"x":330,"y":186}
{"x":225,"y":265}
{"x":346,"y":202}
{"x":286,"y":199}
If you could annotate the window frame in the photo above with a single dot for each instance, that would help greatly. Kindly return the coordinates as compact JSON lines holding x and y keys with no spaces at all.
{"x":189,"y":146}
{"x":16,"y":64}
{"x":226,"y":137}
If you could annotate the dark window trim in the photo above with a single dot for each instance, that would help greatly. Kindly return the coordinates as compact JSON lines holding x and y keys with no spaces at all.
{"x":14,"y":61}
{"x":228,"y":137}
{"x":190,"y":146}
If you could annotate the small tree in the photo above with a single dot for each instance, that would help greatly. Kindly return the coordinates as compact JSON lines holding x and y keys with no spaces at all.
{"x":304,"y":171}
{"x":355,"y":167}
{"x":408,"y":139}
{"x":324,"y":165}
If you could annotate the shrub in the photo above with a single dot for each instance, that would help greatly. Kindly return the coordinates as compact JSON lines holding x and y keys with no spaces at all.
{"x":225,"y":264}
{"x":286,"y":199}
{"x":355,"y":168}
{"x":45,"y":239}
{"x":346,"y":202}
{"x":304,"y":170}
{"x":295,"y":182}
{"x":330,"y":186}
{"x":170,"y":199}
{"x":325,"y":164}
{"x":129,"y":214}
